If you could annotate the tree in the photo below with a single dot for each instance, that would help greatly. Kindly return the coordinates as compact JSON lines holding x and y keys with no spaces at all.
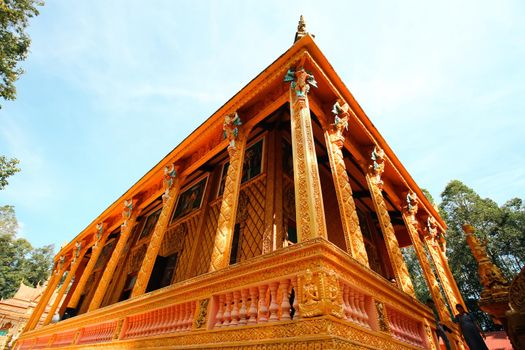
{"x":14,"y":41}
{"x":19,"y":261}
{"x":501,"y":227}
{"x":8,"y":167}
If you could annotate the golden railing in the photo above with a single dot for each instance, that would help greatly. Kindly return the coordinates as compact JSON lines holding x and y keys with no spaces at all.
{"x":333,"y":296}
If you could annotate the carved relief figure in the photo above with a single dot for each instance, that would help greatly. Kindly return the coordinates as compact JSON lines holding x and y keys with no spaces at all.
{"x":378,"y":165}
{"x":230,"y":128}
{"x":341,"y":115}
{"x":169,"y":176}
{"x":301,"y":81}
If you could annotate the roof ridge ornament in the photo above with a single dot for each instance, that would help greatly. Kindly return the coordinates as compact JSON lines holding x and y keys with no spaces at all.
{"x":301,"y":29}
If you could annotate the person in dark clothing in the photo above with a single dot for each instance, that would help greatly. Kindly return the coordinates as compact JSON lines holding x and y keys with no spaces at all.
{"x":440,"y":328}
{"x":470,"y":329}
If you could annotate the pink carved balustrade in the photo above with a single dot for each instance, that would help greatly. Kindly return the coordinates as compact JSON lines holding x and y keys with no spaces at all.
{"x":41,"y":342}
{"x":174,"y":318}
{"x":98,"y":333}
{"x":357,"y":307}
{"x":64,"y":339}
{"x":259,"y":291}
{"x":267,"y":302}
{"x":405,"y":328}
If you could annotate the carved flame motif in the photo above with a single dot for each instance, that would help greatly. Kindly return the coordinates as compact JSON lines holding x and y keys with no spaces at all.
{"x":490,"y":275}
{"x":169,"y":176}
{"x":301,"y":81}
{"x":230,"y":128}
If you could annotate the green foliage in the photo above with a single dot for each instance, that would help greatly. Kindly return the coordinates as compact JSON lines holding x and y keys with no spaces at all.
{"x":502,"y":228}
{"x":8,"y":167}
{"x":19,"y":261}
{"x":14,"y":41}
{"x":416,"y":274}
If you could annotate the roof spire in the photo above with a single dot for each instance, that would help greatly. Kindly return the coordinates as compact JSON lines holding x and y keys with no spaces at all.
{"x":301,"y":29}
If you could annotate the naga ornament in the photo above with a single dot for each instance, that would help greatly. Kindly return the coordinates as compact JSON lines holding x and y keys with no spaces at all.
{"x":100,"y":229}
{"x":341,"y":112}
{"x":378,"y":165}
{"x":412,"y":206}
{"x":169,"y":176}
{"x":126,"y":213}
{"x":230,"y":128}
{"x":301,"y":81}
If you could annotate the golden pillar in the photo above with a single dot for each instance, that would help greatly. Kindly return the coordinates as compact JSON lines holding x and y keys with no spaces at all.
{"x":308,"y":196}
{"x":220,"y":257}
{"x":96,"y":249}
{"x":440,"y":263}
{"x":334,"y":144}
{"x":411,"y":223}
{"x":130,"y":216}
{"x":78,"y":255}
{"x":375,"y":184}
{"x":169,"y":198}
{"x":51,"y":286}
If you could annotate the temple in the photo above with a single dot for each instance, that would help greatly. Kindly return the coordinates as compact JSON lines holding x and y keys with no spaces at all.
{"x":16,"y":311}
{"x":279,"y":223}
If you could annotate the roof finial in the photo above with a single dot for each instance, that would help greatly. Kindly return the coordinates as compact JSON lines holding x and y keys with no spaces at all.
{"x":301,"y":29}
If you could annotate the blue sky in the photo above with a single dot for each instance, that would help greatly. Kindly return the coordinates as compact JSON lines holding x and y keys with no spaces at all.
{"x":111,"y":87}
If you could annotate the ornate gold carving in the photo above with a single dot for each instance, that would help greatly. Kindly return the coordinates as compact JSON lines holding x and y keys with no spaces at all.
{"x":382,"y":317}
{"x":200,"y":320}
{"x":431,"y":341}
{"x":350,"y":221}
{"x":375,"y":184}
{"x":100,"y":240}
{"x":172,"y":187}
{"x":230,"y":128}
{"x":222,"y":247}
{"x":491,"y":277}
{"x":320,"y":294}
{"x":126,"y":213}
{"x":98,"y":234}
{"x":439,"y":264}
{"x":75,"y":263}
{"x":308,"y":196}
{"x":411,"y":223}
{"x":130,"y":217}
{"x":169,"y":178}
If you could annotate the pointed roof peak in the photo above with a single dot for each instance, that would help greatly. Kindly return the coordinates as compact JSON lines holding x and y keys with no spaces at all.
{"x":301,"y":29}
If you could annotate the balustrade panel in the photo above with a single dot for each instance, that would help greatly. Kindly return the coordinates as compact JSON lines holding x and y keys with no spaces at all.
{"x":98,"y":333}
{"x":405,"y":328}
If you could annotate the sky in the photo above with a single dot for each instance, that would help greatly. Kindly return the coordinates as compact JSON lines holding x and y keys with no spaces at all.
{"x":111,"y":87}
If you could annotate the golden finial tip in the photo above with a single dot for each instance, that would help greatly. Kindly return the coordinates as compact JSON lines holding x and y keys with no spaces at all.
{"x":301,"y":29}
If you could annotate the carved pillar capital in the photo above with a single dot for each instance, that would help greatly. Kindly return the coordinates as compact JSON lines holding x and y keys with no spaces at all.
{"x":98,"y":234}
{"x":232,"y":130}
{"x":341,"y":111}
{"x":300,"y":80}
{"x":377,"y":166}
{"x":170,"y":173}
{"x":127,"y":211}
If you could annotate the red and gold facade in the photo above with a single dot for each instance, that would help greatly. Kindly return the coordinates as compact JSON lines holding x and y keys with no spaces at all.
{"x":277,"y":224}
